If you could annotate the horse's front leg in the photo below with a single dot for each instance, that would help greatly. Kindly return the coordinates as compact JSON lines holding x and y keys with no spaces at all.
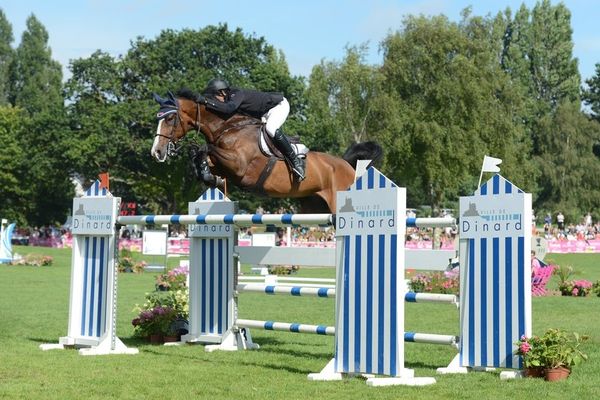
{"x":199,"y":158}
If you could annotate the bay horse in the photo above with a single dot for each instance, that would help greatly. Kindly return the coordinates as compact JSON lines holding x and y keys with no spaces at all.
{"x":232,"y":148}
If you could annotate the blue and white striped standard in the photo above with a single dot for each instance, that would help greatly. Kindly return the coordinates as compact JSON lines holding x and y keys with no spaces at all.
{"x":94,"y":286}
{"x":212,"y":311}
{"x":97,"y":190}
{"x":496,"y":281}
{"x":369,"y":300}
{"x":211,"y":272}
{"x":92,"y":272}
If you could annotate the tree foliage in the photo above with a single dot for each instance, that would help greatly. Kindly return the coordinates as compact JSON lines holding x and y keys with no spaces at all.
{"x":6,"y":56}
{"x":340,"y":101}
{"x":35,"y":86}
{"x":591,"y":94}
{"x":11,"y":165}
{"x":455,"y":105}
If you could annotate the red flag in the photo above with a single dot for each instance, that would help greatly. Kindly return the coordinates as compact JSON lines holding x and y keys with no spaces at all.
{"x":104,"y":180}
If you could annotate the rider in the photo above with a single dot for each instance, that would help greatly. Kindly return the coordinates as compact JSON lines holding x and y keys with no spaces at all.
{"x":272,"y":108}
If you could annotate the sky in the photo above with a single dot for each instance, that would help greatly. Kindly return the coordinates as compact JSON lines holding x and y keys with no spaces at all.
{"x":307,"y":31}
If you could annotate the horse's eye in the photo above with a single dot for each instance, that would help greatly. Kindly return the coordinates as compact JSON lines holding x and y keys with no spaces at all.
{"x":171,"y":120}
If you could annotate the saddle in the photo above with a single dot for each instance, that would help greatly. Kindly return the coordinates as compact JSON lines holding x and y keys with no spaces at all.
{"x":267,"y":147}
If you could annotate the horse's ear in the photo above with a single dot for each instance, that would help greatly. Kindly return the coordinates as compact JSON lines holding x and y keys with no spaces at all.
{"x":173,"y":100}
{"x":157,"y":98}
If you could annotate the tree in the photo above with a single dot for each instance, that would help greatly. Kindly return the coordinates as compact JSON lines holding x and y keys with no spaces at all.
{"x":340,"y":101}
{"x":539,"y":54}
{"x":448,"y":105}
{"x":6,"y":55}
{"x":36,"y":88}
{"x":591,"y":94}
{"x":570,"y":166}
{"x":36,"y":79}
{"x":12,"y":190}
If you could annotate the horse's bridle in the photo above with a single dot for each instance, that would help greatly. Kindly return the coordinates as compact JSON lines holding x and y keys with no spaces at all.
{"x":172,"y":148}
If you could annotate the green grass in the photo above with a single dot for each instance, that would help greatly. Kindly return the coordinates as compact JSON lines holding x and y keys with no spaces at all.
{"x":34,"y":310}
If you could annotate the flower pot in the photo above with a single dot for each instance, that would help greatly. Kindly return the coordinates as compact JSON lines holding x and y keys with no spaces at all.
{"x":557,"y":374}
{"x":534,"y":372}
{"x":170,"y":339}
{"x":156,"y":339}
{"x":181,"y":326}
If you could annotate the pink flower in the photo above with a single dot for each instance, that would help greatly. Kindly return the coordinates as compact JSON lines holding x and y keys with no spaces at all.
{"x":524,"y":348}
{"x":575,"y":291}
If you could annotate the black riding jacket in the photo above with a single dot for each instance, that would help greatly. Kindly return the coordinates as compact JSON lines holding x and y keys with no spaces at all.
{"x":249,"y":102}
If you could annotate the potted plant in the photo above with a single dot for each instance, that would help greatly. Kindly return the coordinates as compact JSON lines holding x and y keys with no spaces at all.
{"x":552,"y":355}
{"x":154,"y":323}
{"x":530,"y":349}
{"x":560,"y":352}
{"x":125,"y":264}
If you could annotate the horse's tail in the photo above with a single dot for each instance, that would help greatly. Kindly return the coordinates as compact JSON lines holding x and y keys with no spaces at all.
{"x":363,"y":151}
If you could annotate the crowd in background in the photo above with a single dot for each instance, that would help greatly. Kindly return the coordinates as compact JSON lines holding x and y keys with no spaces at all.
{"x":561,"y":229}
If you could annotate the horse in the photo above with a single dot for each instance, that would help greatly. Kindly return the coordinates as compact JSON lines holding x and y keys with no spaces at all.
{"x":233,"y":152}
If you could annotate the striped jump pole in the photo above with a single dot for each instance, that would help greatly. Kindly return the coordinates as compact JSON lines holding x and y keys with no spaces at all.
{"x":241,"y":220}
{"x":412,"y":337}
{"x":286,"y":290}
{"x":439,"y":222}
{"x":248,"y":220}
{"x":328,"y":292}
{"x":431,"y":338}
{"x":286,"y":327}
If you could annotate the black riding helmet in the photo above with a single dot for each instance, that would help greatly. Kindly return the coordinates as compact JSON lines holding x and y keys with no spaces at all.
{"x":214,"y":86}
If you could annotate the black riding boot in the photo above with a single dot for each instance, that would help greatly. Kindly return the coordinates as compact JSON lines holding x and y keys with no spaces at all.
{"x":283,"y":145}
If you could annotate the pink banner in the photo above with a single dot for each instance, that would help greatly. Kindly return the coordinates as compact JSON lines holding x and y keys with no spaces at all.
{"x":574,"y":246}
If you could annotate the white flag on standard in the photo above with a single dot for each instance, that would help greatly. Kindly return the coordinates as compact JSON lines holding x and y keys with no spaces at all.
{"x":490,"y":164}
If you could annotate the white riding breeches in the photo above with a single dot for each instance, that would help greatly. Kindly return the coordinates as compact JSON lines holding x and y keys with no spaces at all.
{"x":276,"y":116}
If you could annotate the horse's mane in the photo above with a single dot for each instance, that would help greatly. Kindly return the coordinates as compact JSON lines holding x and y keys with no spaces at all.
{"x":187,"y":94}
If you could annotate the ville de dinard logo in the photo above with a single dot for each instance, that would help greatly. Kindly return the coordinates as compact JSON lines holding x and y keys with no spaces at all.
{"x":365,"y":216}
{"x":94,"y":220}
{"x":209,"y":228}
{"x":495,"y":220}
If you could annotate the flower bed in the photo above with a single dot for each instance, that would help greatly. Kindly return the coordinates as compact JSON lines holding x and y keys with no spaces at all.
{"x":578,"y":288}
{"x":435,"y":282}
{"x":35,"y":260}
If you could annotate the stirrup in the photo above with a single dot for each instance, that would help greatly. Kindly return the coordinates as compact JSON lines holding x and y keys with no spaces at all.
{"x":299,"y":171}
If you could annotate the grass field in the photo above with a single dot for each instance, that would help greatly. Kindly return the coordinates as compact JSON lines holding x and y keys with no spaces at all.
{"x":34,"y":310}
